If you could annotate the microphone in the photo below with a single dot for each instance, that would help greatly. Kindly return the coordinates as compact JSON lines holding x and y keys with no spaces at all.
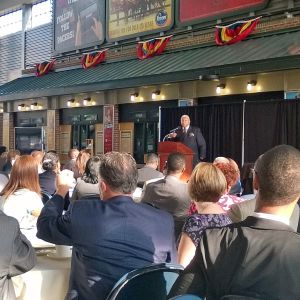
{"x":174,"y":129}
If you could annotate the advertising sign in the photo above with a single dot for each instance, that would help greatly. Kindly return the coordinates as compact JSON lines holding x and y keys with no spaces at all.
{"x":78,"y":24}
{"x":130,"y":18}
{"x":193,"y":11}
{"x":108,"y":125}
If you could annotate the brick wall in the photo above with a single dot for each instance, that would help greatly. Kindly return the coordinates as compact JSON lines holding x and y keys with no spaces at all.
{"x":1,"y":129}
{"x":11,"y":131}
{"x":57,"y":145}
{"x":116,"y":133}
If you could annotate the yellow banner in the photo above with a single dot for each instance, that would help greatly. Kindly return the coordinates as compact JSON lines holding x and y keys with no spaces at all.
{"x":129,"y":18}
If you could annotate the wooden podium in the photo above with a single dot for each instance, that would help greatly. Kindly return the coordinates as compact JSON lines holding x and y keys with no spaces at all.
{"x":165,"y":148}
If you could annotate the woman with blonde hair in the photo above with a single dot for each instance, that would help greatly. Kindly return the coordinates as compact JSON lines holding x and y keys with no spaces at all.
{"x":21,"y":196}
{"x":206,"y":185}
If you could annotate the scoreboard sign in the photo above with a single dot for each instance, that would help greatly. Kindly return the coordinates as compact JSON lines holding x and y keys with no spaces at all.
{"x":195,"y":11}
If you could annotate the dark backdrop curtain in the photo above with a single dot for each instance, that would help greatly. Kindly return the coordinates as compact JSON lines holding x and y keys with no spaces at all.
{"x":221,"y":125}
{"x":271,"y":123}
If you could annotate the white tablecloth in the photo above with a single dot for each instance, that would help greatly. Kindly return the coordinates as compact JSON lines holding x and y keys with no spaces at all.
{"x":48,"y":280}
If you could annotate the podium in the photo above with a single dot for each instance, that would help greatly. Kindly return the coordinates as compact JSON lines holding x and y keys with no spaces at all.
{"x":165,"y":148}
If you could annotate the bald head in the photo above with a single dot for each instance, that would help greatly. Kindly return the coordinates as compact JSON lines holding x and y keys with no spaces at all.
{"x":278,"y":175}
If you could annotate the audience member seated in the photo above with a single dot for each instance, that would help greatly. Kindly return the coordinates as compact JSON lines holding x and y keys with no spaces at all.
{"x":258,"y":257}
{"x":38,"y":156}
{"x":3,"y":159}
{"x":240,"y":211}
{"x":70,"y":165}
{"x":21,"y":197}
{"x":87,"y":186}
{"x":12,"y":155}
{"x":17,"y":255}
{"x":170,"y":193}
{"x":237,"y":188}
{"x":109,"y":237}
{"x":149,"y":171}
{"x":247,"y":179}
{"x":232,"y":175}
{"x":82,"y":158}
{"x":51,"y":166}
{"x":206,"y":185}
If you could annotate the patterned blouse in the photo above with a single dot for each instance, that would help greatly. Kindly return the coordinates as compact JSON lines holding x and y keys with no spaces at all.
{"x":195,"y":224}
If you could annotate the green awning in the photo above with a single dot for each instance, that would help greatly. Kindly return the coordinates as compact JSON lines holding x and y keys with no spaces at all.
{"x":261,"y":54}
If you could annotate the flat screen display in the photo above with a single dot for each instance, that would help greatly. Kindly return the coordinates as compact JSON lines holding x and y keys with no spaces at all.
{"x":28,"y":139}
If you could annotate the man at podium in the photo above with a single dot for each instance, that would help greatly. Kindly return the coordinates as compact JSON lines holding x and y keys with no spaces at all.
{"x":191,"y":137}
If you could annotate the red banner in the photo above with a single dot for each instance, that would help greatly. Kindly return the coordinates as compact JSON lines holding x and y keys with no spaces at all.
{"x":235,"y":32}
{"x":152,"y":47}
{"x":44,"y":68}
{"x":93,"y":59}
{"x":190,"y":10}
{"x":108,"y":125}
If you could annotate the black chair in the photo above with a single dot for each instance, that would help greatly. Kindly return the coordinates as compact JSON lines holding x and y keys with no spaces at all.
{"x":148,"y":283}
{"x":186,"y":297}
{"x":45,"y":197}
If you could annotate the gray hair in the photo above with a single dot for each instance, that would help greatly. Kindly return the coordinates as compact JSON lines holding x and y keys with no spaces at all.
{"x":119,"y":171}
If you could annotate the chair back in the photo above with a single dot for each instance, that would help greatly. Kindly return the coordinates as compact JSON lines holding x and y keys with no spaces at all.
{"x":186,"y":297}
{"x":45,"y":197}
{"x":148,"y":283}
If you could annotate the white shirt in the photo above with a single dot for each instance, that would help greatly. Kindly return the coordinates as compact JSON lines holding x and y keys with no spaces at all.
{"x":277,"y":218}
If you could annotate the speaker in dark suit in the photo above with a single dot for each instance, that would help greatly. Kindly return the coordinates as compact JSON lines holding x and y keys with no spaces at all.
{"x":191,"y":137}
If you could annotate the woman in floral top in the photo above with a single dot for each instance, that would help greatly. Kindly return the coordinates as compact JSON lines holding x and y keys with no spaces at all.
{"x":206,"y":185}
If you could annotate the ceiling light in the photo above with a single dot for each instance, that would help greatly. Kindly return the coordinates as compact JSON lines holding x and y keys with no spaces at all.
{"x":155,"y":94}
{"x":33,"y":106}
{"x":87,"y":101}
{"x":220,"y":87}
{"x":21,"y":107}
{"x":71,"y":102}
{"x":251,"y":84}
{"x":133,"y":96}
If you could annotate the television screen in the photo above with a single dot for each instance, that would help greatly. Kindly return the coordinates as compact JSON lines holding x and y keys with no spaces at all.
{"x":28,"y":139}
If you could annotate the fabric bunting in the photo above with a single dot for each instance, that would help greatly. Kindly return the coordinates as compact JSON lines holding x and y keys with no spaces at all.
{"x":152,"y":47}
{"x":44,"y":68}
{"x":93,"y":59}
{"x":235,"y":32}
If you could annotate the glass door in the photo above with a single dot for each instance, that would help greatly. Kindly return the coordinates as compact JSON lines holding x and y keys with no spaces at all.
{"x":80,"y":133}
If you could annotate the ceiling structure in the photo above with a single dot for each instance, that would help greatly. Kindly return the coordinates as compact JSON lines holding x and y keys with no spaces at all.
{"x":7,"y":5}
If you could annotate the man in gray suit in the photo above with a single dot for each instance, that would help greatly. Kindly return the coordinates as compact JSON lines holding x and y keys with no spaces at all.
{"x":17,"y":255}
{"x":170,"y":193}
{"x":258,"y":257}
{"x":149,"y":171}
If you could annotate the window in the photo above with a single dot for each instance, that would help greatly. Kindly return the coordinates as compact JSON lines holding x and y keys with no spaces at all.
{"x":41,"y":13}
{"x":11,"y":23}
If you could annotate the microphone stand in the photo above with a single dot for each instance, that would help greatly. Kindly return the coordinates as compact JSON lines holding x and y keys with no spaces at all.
{"x":166,"y":136}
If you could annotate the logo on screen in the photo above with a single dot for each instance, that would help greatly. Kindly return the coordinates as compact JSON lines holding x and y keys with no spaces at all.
{"x":161,"y":18}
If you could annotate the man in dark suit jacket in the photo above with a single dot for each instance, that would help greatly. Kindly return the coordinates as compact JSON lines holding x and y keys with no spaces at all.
{"x":258,"y":257}
{"x":17,"y":255}
{"x":191,"y":137}
{"x":109,"y":237}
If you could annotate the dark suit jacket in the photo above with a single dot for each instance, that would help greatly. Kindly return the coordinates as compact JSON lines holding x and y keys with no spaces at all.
{"x":240,"y":211}
{"x":48,"y":182}
{"x":257,"y":258}
{"x":194,"y":140}
{"x":17,"y":255}
{"x":109,"y":238}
